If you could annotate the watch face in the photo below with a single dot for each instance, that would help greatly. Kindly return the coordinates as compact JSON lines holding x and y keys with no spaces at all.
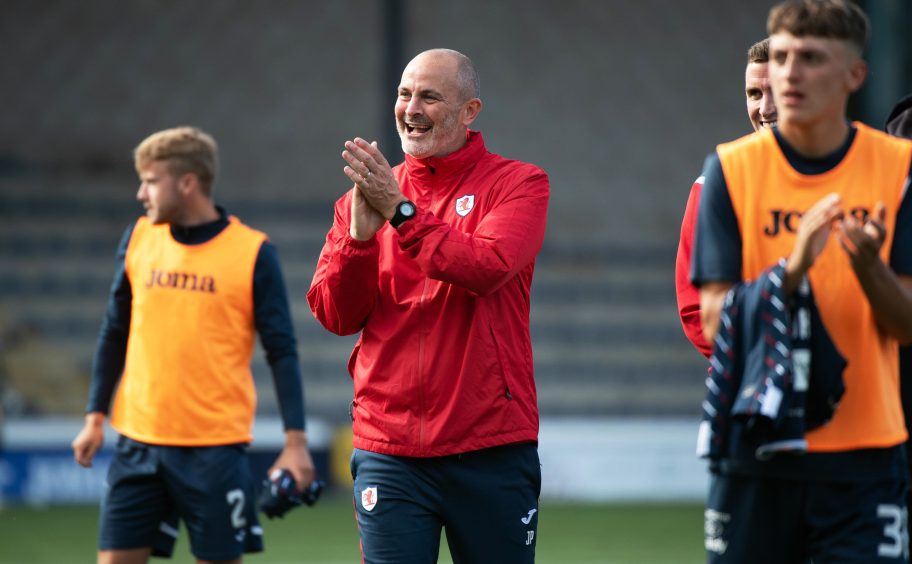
{"x":407,"y":209}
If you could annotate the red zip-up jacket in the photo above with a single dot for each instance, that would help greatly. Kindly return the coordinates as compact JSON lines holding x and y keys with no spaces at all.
{"x":444,"y":361}
{"x":689,"y":295}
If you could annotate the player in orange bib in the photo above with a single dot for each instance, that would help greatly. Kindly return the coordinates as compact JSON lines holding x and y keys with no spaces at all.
{"x":192,"y":289}
{"x":830,"y":197}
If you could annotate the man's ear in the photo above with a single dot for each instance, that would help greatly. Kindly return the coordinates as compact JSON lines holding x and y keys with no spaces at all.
{"x":188,"y":183}
{"x":470,"y":111}
{"x":857,"y":73}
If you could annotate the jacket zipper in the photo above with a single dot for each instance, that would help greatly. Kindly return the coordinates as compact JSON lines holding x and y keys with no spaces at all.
{"x":422,"y":330}
{"x":421,"y":347}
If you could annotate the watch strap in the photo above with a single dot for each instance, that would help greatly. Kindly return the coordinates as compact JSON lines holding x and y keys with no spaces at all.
{"x":399,"y":217}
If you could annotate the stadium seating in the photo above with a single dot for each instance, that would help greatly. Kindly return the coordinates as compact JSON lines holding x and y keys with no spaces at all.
{"x":605,"y":334}
{"x":618,"y":102}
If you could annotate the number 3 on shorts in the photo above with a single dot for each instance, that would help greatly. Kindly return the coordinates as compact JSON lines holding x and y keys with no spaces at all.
{"x":896,"y":531}
{"x":235,"y":498}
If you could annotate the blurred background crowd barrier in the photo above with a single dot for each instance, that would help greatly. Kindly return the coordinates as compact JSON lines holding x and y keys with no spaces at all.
{"x":619,"y":101}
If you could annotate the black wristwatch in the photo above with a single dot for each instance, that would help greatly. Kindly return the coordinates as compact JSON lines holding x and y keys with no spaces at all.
{"x":404,"y":212}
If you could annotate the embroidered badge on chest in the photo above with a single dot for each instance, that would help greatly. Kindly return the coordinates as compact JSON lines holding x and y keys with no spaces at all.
{"x":464,"y":204}
{"x":369,"y":498}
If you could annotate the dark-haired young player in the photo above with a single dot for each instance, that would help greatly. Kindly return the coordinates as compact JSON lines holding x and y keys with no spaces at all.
{"x":830,"y":197}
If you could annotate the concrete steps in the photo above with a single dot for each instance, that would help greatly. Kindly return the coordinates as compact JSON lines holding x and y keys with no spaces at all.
{"x":606,"y":336}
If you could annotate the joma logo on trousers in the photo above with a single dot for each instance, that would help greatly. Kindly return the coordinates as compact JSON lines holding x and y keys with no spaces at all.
{"x":788,"y":220}
{"x":181,"y":281}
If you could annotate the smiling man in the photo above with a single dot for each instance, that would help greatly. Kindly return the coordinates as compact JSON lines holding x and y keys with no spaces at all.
{"x":780,"y":198}
{"x":432,"y":262}
{"x":761,"y":108}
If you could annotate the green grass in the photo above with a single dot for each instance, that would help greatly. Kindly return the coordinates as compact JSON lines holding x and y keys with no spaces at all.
{"x":327,"y":534}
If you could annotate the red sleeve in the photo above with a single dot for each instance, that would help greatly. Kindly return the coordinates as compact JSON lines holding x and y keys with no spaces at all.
{"x":688,"y":295}
{"x":344,"y":287}
{"x":503,"y":243}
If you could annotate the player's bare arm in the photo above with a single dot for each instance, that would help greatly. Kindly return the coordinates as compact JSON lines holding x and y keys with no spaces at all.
{"x":890,"y":295}
{"x":295,"y":457}
{"x":89,"y":439}
{"x":712,"y":296}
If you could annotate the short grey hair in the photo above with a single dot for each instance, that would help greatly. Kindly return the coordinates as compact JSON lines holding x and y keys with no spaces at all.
{"x":466,"y":75}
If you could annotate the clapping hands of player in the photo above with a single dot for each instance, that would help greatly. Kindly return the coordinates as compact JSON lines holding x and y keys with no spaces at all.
{"x":813,"y":234}
{"x":376,"y":191}
{"x":862,"y":240}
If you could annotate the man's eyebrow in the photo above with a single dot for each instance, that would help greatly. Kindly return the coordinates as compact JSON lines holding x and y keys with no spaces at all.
{"x":422,"y":92}
{"x":430,"y":92}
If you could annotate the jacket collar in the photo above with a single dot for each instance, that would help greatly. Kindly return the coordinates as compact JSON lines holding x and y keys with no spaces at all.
{"x":438,"y":167}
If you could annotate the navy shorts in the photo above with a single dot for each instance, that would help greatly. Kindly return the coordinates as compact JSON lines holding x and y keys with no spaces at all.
{"x":150,"y":488}
{"x":751,"y":520}
{"x":486,"y":501}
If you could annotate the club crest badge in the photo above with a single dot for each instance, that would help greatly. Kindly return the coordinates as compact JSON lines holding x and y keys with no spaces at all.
{"x":464,"y":204}
{"x":369,"y":498}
